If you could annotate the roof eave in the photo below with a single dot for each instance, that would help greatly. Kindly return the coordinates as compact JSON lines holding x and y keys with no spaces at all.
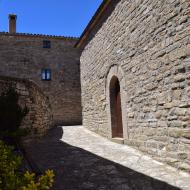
{"x":92,"y":23}
{"x":38,"y":35}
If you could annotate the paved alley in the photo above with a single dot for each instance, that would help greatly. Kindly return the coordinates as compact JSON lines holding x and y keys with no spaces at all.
{"x":84,"y":160}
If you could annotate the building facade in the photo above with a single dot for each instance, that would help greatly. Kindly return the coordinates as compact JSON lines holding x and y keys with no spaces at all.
{"x":134,"y":63}
{"x":51,"y":62}
{"x":135,"y":76}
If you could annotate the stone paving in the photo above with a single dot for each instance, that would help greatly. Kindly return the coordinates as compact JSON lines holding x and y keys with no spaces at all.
{"x":84,"y":160}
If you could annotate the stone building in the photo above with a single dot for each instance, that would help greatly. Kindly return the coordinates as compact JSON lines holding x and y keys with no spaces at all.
{"x":134,"y":62}
{"x":135,"y":76}
{"x":51,"y":63}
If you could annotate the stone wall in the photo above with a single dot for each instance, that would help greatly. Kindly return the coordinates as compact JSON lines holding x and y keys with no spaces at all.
{"x":146,"y":44}
{"x":23,"y":56}
{"x":39,"y":118}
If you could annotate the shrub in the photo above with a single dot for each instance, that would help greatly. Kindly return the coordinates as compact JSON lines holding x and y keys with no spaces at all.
{"x":9,"y":162}
{"x":11,"y":179}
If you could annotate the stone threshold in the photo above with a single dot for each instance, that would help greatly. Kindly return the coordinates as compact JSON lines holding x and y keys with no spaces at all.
{"x":118,"y":140}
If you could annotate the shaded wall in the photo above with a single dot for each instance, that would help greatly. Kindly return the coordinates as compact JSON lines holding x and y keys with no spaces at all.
{"x":23,"y":56}
{"x":39,"y":118}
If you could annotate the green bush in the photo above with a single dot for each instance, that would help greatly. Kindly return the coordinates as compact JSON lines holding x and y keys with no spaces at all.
{"x":11,"y":179}
{"x":11,"y":115}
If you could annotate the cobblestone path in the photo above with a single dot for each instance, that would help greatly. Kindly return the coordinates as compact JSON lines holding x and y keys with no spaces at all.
{"x":83,"y":160}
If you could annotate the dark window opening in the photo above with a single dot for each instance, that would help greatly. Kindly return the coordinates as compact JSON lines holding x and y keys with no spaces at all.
{"x":46,"y":74}
{"x":115,"y":107}
{"x":46,"y":44}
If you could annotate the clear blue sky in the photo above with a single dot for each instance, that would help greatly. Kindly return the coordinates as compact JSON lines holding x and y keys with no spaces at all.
{"x":56,"y":17}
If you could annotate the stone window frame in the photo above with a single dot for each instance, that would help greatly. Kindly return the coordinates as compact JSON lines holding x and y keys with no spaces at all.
{"x":117,"y":71}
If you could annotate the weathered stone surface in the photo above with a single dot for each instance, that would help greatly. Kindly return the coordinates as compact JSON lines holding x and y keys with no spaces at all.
{"x":182,"y":156}
{"x":176,"y":133}
{"x":39,"y":118}
{"x":186,"y":134}
{"x":23,"y":56}
{"x":146,"y":45}
{"x":184,"y":166}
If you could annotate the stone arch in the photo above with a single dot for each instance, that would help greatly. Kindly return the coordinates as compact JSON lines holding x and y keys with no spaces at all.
{"x":116,"y":72}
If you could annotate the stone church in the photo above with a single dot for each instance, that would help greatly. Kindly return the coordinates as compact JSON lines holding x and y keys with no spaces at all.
{"x":126,"y":78}
{"x":135,"y":76}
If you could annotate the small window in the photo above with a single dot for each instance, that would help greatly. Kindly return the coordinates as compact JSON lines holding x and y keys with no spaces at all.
{"x":46,"y":74}
{"x":46,"y":44}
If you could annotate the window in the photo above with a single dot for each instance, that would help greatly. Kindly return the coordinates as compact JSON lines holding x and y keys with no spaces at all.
{"x":46,"y":74}
{"x":46,"y":44}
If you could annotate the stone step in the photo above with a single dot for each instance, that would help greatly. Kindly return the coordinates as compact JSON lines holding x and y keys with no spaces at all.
{"x":118,"y":140}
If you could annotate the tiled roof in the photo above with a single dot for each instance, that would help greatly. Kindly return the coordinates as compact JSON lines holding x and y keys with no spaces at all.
{"x":38,"y":35}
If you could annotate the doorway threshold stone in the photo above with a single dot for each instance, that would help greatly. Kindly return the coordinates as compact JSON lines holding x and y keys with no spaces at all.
{"x":118,"y":140}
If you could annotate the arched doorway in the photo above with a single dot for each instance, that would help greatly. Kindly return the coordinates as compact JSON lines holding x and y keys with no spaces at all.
{"x":115,"y":108}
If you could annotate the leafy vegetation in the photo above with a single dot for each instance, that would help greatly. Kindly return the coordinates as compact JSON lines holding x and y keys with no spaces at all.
{"x":11,"y":116}
{"x":12,"y":179}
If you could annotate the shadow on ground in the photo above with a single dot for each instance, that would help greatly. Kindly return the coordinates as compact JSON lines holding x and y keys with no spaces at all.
{"x":78,"y":169}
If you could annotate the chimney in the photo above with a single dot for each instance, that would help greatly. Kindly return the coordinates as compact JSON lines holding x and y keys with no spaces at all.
{"x":12,"y":23}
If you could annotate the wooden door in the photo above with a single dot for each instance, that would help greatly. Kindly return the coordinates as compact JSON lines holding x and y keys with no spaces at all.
{"x":116,"y":111}
{"x":119,"y":124}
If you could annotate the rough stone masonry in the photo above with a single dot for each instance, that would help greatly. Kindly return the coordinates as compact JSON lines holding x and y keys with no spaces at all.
{"x":146,"y":45}
{"x":24,"y":56}
{"x":39,"y":117}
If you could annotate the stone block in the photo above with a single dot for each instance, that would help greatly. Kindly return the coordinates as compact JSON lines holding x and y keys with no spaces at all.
{"x":131,"y":115}
{"x":182,"y":156}
{"x":184,"y":166}
{"x":176,"y":133}
{"x":186,"y":134}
